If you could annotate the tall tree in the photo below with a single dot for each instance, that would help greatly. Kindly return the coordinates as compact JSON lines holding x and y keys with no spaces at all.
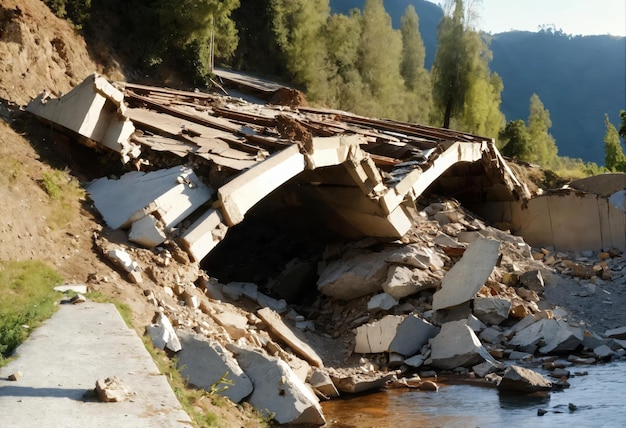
{"x":298,"y":26}
{"x":614,"y":158}
{"x":515,"y":140}
{"x":451,"y":66}
{"x":466,"y":94}
{"x":189,"y":28}
{"x":416,"y":77}
{"x":544,"y":150}
{"x":380,"y":50}
{"x":342,"y":36}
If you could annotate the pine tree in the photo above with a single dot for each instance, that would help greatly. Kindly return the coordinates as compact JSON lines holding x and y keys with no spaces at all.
{"x":544,"y":150}
{"x":515,"y":140}
{"x":416,"y":77}
{"x":450,"y":67}
{"x":298,"y":27}
{"x":380,"y":51}
{"x":614,"y":158}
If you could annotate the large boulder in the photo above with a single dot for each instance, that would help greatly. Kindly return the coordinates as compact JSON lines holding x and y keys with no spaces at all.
{"x":352,"y":277}
{"x":204,"y":363}
{"x":519,"y":379}
{"x":456,"y":345}
{"x":277,"y":390}
{"x":403,"y":281}
{"x":491,"y":310}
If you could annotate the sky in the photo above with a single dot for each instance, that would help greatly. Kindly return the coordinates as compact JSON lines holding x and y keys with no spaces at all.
{"x":586,"y":17}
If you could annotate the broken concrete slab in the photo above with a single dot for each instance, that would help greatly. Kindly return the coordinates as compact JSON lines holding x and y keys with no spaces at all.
{"x":403,"y":281}
{"x":616,"y":333}
{"x":377,"y":336}
{"x":456,"y":345}
{"x":352,"y":277}
{"x":205,"y":364}
{"x":560,"y":337}
{"x":171,"y":194}
{"x":413,"y":333}
{"x":491,"y":310}
{"x":381,"y":302}
{"x":468,"y":275}
{"x":533,"y":280}
{"x":76,"y":288}
{"x":417,"y":256}
{"x":284,"y":333}
{"x":163,"y":334}
{"x":321,"y":381}
{"x":94,"y":110}
{"x":278,"y":392}
{"x":522,"y":380}
{"x":235,"y":324}
{"x":244,"y":191}
{"x":236,"y":289}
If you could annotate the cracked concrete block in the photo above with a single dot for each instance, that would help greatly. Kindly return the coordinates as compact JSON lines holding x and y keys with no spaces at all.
{"x":146,"y":232}
{"x":236,"y":289}
{"x":327,"y":151}
{"x":163,"y":335}
{"x":204,"y":363}
{"x":468,"y":275}
{"x":204,"y":234}
{"x":491,"y":310}
{"x":377,"y":336}
{"x":322,"y":382}
{"x":456,"y":345}
{"x":279,"y":329}
{"x":411,"y":335}
{"x":277,"y":389}
{"x":235,"y":324}
{"x":616,"y":333}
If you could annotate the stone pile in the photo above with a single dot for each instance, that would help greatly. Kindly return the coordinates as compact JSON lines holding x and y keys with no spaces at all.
{"x":452,"y":296}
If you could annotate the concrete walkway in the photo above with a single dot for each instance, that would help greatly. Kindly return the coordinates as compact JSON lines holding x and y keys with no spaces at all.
{"x":62,"y":360}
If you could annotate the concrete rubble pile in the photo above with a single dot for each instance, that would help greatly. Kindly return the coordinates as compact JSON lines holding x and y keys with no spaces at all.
{"x":442,"y":293}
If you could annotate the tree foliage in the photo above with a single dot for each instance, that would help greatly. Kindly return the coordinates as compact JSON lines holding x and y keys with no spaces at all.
{"x":544,"y":150}
{"x":515,"y":140}
{"x":298,"y":26}
{"x":466,"y":94}
{"x":622,"y":128}
{"x":416,"y":77}
{"x":188,"y":28}
{"x":614,"y":158}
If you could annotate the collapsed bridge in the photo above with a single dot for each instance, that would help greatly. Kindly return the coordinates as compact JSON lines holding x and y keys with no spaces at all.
{"x":367,"y":173}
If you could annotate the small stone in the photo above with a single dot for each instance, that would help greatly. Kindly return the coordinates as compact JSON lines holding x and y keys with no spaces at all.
{"x":15,"y":376}
{"x":79,"y":298}
{"x":572,"y":407}
{"x":111,"y":389}
{"x":429,"y":385}
{"x":541,"y":412}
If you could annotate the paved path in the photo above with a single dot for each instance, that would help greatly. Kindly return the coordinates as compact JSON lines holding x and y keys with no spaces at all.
{"x":64,"y":357}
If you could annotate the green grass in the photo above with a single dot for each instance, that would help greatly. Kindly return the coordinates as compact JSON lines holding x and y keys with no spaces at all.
{"x":27,"y":300}
{"x":125,"y":311}
{"x":64,"y":192}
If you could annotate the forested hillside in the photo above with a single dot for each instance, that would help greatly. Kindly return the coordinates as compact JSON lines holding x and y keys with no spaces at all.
{"x":405,"y":59}
{"x":577,"y":78}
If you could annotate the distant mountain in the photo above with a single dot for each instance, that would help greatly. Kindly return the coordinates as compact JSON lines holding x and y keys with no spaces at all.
{"x":578,"y":78}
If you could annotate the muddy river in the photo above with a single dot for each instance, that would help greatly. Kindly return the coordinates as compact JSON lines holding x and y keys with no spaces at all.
{"x":598,"y":398}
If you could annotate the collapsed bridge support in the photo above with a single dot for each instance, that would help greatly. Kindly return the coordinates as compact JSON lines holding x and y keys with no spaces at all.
{"x":367,"y":171}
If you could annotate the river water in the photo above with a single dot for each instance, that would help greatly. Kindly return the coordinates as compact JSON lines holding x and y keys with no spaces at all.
{"x":599,"y":397}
